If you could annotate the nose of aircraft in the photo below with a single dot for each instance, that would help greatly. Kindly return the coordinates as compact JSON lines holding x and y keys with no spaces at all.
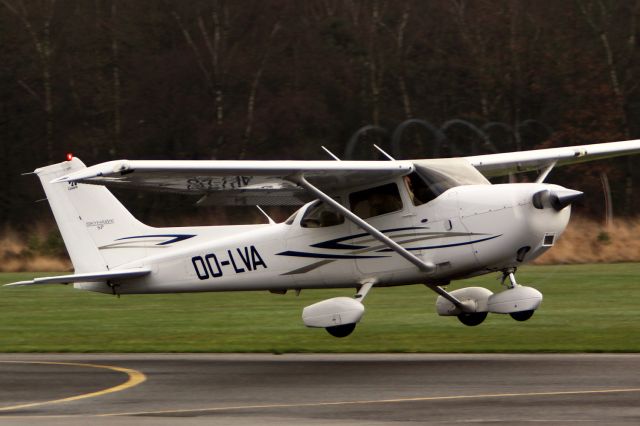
{"x":558,"y":199}
{"x":562,"y":198}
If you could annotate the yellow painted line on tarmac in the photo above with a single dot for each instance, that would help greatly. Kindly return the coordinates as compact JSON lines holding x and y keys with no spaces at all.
{"x":135,"y":378}
{"x":369,"y":402}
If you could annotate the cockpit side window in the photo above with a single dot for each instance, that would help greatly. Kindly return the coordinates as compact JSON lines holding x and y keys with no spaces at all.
{"x":376,"y":201}
{"x":418,"y":190}
{"x":319,"y":215}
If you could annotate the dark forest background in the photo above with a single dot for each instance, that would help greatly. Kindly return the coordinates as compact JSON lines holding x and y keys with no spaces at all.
{"x":255,"y":79}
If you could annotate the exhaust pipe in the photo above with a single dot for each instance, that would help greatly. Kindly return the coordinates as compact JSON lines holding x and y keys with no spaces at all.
{"x":557,"y":199}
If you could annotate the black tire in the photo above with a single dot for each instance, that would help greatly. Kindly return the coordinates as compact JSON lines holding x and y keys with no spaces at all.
{"x":472,"y":318}
{"x":341,"y":330}
{"x":522,"y":315}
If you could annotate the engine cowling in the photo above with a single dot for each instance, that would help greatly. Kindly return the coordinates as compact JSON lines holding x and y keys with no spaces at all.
{"x":333,"y":312}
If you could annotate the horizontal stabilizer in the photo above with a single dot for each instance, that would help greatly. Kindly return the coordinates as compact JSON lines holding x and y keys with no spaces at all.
{"x":87,"y":277}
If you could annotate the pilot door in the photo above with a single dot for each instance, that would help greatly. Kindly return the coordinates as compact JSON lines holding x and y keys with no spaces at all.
{"x":441,"y":237}
{"x":388,"y":209}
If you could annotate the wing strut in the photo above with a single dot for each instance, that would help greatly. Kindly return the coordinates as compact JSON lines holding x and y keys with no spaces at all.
{"x":545,"y":172}
{"x":423,"y":266}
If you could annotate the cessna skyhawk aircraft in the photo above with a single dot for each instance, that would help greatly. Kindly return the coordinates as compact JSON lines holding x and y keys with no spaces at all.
{"x":363,"y":224}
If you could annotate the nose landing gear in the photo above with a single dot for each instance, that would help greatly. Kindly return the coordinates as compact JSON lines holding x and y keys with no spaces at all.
{"x":520,"y":302}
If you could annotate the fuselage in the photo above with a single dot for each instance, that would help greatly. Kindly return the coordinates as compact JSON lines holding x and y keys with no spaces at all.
{"x":465,"y":231}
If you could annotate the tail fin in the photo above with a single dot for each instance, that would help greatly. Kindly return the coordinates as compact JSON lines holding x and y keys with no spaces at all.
{"x":89,"y":218}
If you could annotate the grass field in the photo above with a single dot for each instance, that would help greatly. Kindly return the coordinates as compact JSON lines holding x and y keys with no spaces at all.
{"x":587,"y":308}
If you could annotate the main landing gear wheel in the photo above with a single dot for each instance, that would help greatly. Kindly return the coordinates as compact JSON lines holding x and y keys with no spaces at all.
{"x":522,"y":315}
{"x":472,"y":318}
{"x":341,"y":330}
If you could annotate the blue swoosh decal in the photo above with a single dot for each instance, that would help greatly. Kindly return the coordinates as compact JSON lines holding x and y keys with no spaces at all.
{"x":325,"y":256}
{"x":335,"y":244}
{"x":174,"y":238}
{"x":446,"y":245}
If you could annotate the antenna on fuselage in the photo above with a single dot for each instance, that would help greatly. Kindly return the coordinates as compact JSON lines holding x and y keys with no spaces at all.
{"x":383,"y":152}
{"x":335,"y":157}
{"x":271,"y":221}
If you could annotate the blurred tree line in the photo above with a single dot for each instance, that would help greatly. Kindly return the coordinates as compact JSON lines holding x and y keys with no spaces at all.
{"x":255,"y":79}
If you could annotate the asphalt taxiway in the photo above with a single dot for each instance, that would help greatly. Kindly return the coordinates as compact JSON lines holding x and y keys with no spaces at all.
{"x":354,"y":389}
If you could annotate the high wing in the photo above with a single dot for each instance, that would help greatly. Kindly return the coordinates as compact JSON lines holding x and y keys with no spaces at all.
{"x":276,"y":182}
{"x":514,"y":162}
{"x":238,"y":182}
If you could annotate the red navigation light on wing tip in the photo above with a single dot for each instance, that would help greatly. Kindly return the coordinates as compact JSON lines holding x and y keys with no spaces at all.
{"x":69,"y":156}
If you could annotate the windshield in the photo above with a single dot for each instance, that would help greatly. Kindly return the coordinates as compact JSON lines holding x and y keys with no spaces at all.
{"x":443,"y":174}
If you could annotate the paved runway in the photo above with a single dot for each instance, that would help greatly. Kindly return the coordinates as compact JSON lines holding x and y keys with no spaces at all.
{"x":76,"y":389}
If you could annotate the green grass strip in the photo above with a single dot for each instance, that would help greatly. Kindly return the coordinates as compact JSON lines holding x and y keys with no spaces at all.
{"x":587,"y":308}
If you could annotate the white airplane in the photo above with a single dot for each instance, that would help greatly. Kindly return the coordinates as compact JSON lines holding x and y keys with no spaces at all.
{"x":365,"y":224}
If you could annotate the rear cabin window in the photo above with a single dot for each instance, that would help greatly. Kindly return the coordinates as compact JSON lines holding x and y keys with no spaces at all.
{"x":320,"y":215}
{"x":376,"y":201}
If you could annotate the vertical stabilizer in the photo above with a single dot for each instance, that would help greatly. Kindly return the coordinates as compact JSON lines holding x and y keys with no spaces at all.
{"x":89,"y":218}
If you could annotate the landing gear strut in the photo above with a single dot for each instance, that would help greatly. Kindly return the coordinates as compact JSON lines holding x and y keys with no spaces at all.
{"x":509,"y":273}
